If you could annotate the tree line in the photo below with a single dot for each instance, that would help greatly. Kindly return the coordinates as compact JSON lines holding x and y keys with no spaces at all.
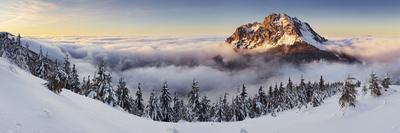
{"x":167,"y":107}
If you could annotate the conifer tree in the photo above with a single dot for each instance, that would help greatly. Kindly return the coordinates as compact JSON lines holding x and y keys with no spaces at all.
{"x":153,"y":109}
{"x":321,"y":87}
{"x":106,"y":93}
{"x":386,"y":82}
{"x":227,"y":111}
{"x":56,"y":81}
{"x":42,"y":67}
{"x":67,"y":69}
{"x":193,"y":101}
{"x":177,"y":113}
{"x":235,"y":107}
{"x":270,"y":104}
{"x":260,"y":102}
{"x":165,"y":103}
{"x":122,"y":94}
{"x":101,"y":89}
{"x":73,"y":81}
{"x":316,"y":98}
{"x":281,"y":98}
{"x":29,"y":60}
{"x":204,"y":112}
{"x":364,"y":90}
{"x":20,"y":56}
{"x":291,"y":94}
{"x":302,"y":96}
{"x":309,"y":91}
{"x":184,"y":110}
{"x":243,"y":104}
{"x":139,"y":107}
{"x":253,"y":110}
{"x":86,"y":86}
{"x":18,"y":39}
{"x":219,"y":111}
{"x":349,"y":92}
{"x":374,"y":85}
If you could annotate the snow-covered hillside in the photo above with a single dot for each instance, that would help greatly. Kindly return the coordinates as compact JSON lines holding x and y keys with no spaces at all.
{"x":28,"y":107}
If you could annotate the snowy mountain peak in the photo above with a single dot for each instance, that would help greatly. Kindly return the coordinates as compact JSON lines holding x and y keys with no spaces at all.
{"x":275,"y":30}
{"x":285,"y":37}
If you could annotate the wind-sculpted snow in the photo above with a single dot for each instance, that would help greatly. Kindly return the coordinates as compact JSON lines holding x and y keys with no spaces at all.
{"x":179,"y":60}
{"x":27,"y":106}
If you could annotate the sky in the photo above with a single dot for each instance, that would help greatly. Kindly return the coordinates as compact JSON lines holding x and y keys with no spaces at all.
{"x":192,"y":17}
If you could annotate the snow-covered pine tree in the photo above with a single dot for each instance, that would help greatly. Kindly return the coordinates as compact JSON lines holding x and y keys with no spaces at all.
{"x":282,"y":98}
{"x":139,"y":106}
{"x":301,"y":93}
{"x":374,"y":85}
{"x":184,"y":110}
{"x":270,"y":104}
{"x":177,"y":113}
{"x":358,"y":83}
{"x":67,"y":69}
{"x":42,"y":66}
{"x":2,"y":45}
{"x":153,"y":109}
{"x":219,"y":111}
{"x":97,"y":82}
{"x":253,"y":112}
{"x":67,"y":65}
{"x":260,"y":102}
{"x":386,"y":82}
{"x":56,"y":81}
{"x":29,"y":59}
{"x":349,"y":92}
{"x":291,"y":94}
{"x":165,"y":103}
{"x":322,"y":87}
{"x":243,"y":104}
{"x":364,"y":89}
{"x":102,"y":89}
{"x":204,"y":112}
{"x":193,"y":101}
{"x":235,"y":107}
{"x":18,"y":41}
{"x":21,"y":55}
{"x":73,"y":81}
{"x":11,"y":49}
{"x":275,"y":99}
{"x":228,"y":113}
{"x":316,"y":98}
{"x":123,"y":97}
{"x":86,"y":86}
{"x":106,"y":93}
{"x":211,"y":112}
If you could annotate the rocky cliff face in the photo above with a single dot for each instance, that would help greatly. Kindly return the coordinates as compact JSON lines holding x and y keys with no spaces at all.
{"x":286,"y":37}
{"x":276,"y":29}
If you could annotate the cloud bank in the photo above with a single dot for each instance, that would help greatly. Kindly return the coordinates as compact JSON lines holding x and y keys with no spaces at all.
{"x":179,"y":60}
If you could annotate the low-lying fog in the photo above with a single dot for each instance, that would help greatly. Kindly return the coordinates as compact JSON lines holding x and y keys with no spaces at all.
{"x":179,"y":60}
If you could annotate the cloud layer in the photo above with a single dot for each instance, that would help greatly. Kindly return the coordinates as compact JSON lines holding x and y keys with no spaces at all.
{"x":179,"y":60}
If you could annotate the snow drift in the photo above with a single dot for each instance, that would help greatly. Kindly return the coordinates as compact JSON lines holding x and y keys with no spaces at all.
{"x":27,"y":106}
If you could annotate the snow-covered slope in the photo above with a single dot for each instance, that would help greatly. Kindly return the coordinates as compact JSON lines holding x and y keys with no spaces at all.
{"x":28,"y":107}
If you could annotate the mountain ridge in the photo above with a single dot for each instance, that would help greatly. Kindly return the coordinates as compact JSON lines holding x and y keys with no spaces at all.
{"x":286,"y":37}
{"x":276,"y":29}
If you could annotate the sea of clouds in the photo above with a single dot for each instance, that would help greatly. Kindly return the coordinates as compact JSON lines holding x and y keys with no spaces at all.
{"x":153,"y":60}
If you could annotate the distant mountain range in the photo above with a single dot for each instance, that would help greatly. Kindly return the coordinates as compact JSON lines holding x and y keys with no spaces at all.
{"x":286,"y":37}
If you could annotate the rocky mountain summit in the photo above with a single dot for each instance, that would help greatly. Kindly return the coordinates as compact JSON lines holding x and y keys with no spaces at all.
{"x":284,"y":36}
